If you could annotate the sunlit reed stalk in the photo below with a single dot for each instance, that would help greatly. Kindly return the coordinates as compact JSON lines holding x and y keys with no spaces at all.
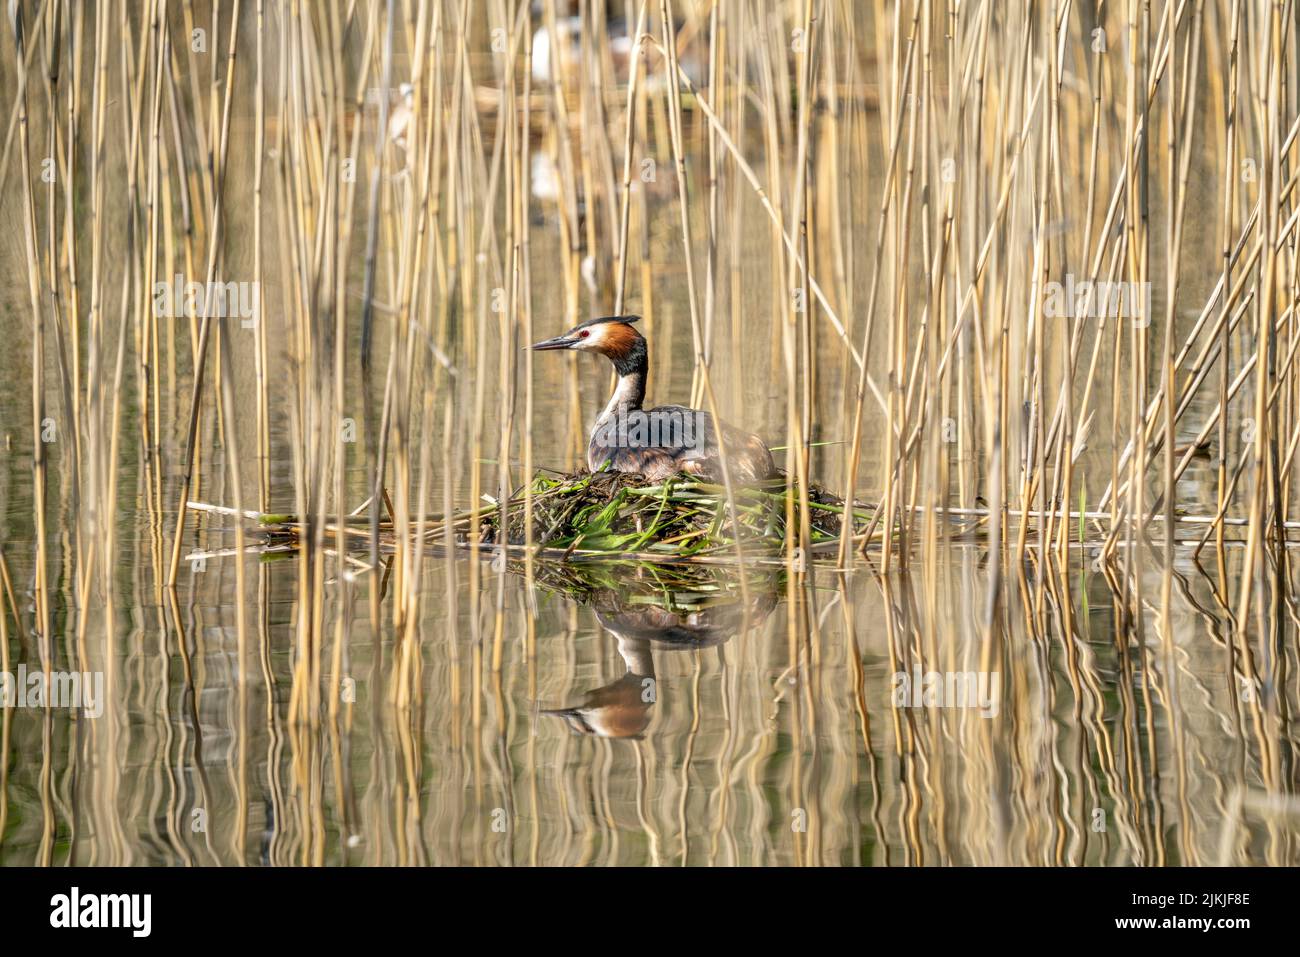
{"x":39,"y":425}
{"x":205,"y":330}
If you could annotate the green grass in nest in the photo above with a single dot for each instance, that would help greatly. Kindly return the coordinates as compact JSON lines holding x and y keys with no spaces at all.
{"x":680,"y":517}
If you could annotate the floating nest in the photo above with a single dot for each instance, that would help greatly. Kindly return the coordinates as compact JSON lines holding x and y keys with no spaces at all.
{"x":604,"y":515}
{"x":618,"y":512}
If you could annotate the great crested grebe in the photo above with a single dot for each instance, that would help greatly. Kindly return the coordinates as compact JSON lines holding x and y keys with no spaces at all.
{"x":660,"y":442}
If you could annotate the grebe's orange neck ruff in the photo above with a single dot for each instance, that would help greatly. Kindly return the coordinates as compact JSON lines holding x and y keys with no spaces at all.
{"x":626,"y":349}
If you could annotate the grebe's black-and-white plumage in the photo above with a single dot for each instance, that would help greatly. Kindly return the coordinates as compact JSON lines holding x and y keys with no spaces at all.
{"x":665,"y":440}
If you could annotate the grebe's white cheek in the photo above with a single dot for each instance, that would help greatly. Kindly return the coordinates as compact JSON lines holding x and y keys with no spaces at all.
{"x":595,"y":335}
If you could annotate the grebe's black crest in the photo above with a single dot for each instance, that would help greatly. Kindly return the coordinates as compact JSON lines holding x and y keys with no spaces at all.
{"x":626,"y":320}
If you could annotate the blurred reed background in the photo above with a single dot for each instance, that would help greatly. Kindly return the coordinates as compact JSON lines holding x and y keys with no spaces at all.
{"x":846,"y":227}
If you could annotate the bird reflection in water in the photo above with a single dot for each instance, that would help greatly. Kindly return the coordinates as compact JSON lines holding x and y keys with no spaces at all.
{"x":665,"y":619}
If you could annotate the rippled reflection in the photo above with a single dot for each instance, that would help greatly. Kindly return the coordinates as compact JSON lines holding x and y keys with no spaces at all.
{"x":667,"y":715}
{"x":664,"y":619}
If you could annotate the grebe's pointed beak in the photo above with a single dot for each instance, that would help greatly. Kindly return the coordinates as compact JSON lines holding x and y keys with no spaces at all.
{"x":565,"y":341}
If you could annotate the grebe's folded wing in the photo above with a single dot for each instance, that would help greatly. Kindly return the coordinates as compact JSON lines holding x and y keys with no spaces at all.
{"x":748,"y":458}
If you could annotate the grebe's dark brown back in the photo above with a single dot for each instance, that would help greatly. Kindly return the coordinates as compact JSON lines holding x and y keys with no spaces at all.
{"x":662,"y":441}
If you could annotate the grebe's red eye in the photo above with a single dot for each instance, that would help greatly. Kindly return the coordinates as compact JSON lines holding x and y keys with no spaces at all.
{"x":583,"y":334}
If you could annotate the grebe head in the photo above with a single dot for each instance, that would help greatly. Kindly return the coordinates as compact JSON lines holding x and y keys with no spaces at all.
{"x":610,"y":336}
